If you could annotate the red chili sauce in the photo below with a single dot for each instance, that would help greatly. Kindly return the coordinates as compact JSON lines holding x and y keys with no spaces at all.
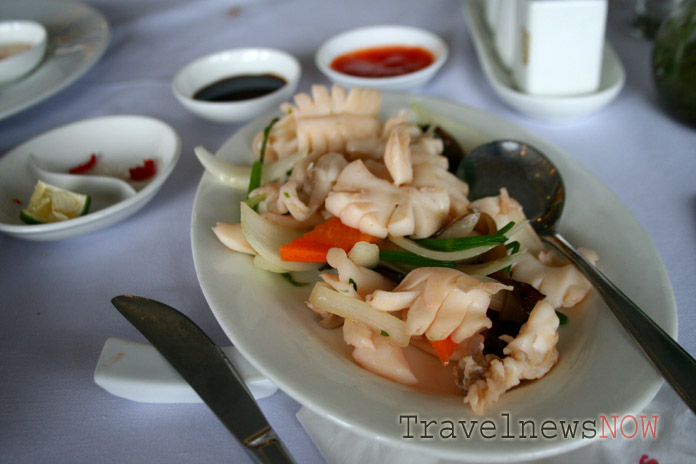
{"x":386,"y":61}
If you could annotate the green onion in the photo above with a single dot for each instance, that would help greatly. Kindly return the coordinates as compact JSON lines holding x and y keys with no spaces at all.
{"x":384,"y":333}
{"x":515,"y":247}
{"x":352,"y":282}
{"x":292,"y":280}
{"x":412,"y":258}
{"x":562,"y":318}
{"x":256,"y":168}
{"x":465,"y":243}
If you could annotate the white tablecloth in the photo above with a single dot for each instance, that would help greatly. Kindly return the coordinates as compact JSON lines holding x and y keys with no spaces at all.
{"x":56,"y":312}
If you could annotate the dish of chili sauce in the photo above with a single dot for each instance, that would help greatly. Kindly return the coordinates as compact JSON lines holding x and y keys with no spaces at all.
{"x":386,"y":61}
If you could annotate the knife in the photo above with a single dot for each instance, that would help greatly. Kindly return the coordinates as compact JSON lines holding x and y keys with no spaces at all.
{"x":206,"y":368}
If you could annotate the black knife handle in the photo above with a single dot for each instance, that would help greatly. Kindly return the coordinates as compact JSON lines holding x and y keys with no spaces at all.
{"x":266,"y":448}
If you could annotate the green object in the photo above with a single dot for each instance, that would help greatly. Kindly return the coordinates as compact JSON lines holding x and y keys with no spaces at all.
{"x":406,"y":257}
{"x":465,"y":243}
{"x":674,"y":62}
{"x":256,"y":168}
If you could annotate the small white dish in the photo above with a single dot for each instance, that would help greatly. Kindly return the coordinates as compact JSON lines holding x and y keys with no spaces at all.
{"x":230,"y":63}
{"x":78,"y":36}
{"x":378,"y":36}
{"x":120,"y":142}
{"x":612,"y":77}
{"x":22,"y":46}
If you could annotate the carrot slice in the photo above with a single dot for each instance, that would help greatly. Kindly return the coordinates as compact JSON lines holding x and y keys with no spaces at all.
{"x":313,"y":246}
{"x":444,"y":348}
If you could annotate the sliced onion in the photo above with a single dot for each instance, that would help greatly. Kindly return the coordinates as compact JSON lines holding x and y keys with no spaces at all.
{"x":266,"y":238}
{"x":365,"y":254}
{"x":228,"y":173}
{"x":490,"y":267}
{"x":237,"y":176}
{"x":263,"y":263}
{"x":462,"y":227}
{"x":326,"y":299}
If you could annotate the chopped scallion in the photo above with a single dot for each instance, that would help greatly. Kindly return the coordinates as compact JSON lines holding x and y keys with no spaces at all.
{"x":292,"y":280}
{"x":562,"y":318}
{"x":412,"y":258}
{"x":257,"y":167}
{"x":465,"y":243}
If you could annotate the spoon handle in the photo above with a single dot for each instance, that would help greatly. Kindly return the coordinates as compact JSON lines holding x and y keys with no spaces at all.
{"x":668,"y":357}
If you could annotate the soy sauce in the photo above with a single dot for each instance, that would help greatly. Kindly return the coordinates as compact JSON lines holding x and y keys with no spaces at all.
{"x":239,"y":88}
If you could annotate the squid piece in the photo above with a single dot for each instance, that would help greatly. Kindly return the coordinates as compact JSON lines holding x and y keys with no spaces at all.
{"x":322,"y":122}
{"x":503,"y":209}
{"x":440,"y":303}
{"x":232,"y":237}
{"x":364,"y":102}
{"x":379,"y":208}
{"x":314,"y":187}
{"x":397,"y":157}
{"x":282,"y":140}
{"x":377,"y":354}
{"x":560,"y":281}
{"x":530,"y":355}
{"x":352,"y":279}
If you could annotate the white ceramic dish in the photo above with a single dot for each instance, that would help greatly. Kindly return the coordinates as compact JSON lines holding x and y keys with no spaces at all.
{"x":77,"y":38}
{"x":29,"y":34}
{"x":119,"y":141}
{"x":546,"y":108}
{"x":376,"y":36}
{"x":600,"y":370}
{"x":237,"y":62}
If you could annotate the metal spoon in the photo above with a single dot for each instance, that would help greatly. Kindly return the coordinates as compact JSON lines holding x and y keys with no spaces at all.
{"x":103,"y":190}
{"x":536,"y":183}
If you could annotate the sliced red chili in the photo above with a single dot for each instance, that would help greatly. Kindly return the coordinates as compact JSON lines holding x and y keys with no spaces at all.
{"x":84,"y":167}
{"x":144,"y":172}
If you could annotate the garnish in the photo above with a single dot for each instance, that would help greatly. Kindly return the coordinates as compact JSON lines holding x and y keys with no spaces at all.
{"x":292,"y":280}
{"x":562,"y":318}
{"x":515,"y":247}
{"x":144,"y":172}
{"x":384,"y":333}
{"x":407,"y":257}
{"x":257,"y":167}
{"x":465,"y":243}
{"x":84,"y":167}
{"x":352,"y":282}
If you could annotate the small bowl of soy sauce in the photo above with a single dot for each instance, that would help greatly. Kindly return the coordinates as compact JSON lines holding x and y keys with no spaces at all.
{"x":237,"y":85}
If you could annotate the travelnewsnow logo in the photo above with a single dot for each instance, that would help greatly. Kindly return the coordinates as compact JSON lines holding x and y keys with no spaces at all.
{"x":613,"y":426}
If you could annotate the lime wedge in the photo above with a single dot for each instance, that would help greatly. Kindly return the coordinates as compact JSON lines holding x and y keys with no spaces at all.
{"x":49,"y":203}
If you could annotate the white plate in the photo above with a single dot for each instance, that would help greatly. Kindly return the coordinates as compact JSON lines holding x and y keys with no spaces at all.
{"x":119,"y":141}
{"x":547,"y":108}
{"x":77,"y":38}
{"x":600,"y":371}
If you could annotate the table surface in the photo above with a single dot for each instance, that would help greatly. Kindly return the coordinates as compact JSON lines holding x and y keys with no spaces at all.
{"x":56,"y":312}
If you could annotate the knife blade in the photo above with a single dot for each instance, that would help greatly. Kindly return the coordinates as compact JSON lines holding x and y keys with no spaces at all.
{"x":206,"y":368}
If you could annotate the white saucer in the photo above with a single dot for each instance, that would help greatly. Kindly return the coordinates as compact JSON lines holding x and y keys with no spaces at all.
{"x":120,"y":142}
{"x":77,"y":38}
{"x":547,"y":108}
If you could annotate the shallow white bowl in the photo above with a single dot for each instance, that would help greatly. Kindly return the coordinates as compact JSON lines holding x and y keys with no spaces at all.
{"x":599,"y":371}
{"x":236,"y":62}
{"x":21,"y":32}
{"x":376,"y":36}
{"x":120,"y":141}
{"x":551,"y":109}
